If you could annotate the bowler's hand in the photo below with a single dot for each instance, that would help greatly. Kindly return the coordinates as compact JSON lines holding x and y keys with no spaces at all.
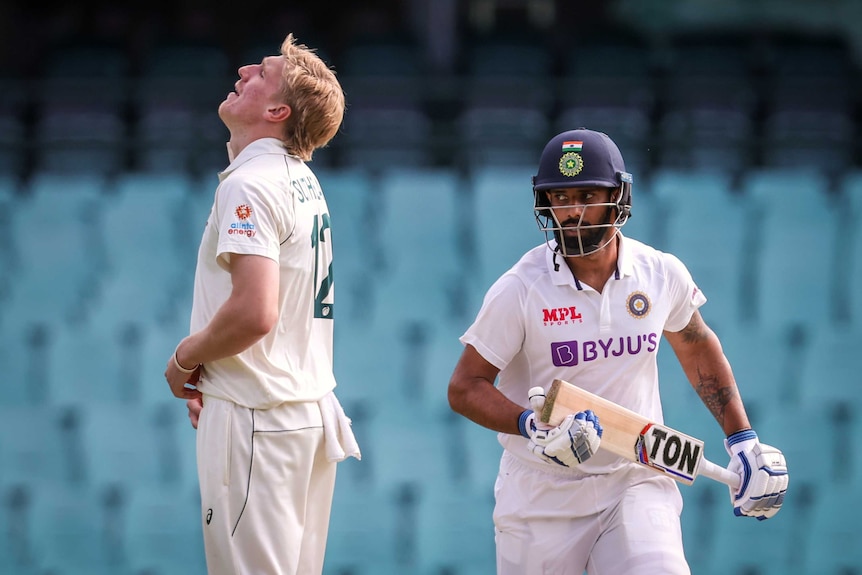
{"x":182,"y":384}
{"x":195,"y":406}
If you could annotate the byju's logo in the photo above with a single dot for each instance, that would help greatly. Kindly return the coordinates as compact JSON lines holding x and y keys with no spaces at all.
{"x":561,"y":316}
{"x":569,"y":353}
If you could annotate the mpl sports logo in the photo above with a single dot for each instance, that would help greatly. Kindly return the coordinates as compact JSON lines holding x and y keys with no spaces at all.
{"x":561,"y":316}
{"x":243,"y":227}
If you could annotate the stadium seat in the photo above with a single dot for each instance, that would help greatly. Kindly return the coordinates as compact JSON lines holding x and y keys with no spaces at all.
{"x":767,"y":361}
{"x":129,"y":444}
{"x":832,"y":546}
{"x":37,"y":444}
{"x":628,"y":126}
{"x":772,"y":547}
{"x":704,"y":226}
{"x":607,"y":84}
{"x":73,"y":530}
{"x":611,"y":71}
{"x":162,"y":530}
{"x":503,"y":225}
{"x":367,"y":527}
{"x":184,"y":81}
{"x":708,"y":96}
{"x":146,"y":230}
{"x":81,"y":138}
{"x":503,"y":71}
{"x":792,"y":219}
{"x":456,"y":529}
{"x":64,"y":256}
{"x":421,"y":216}
{"x":831,"y":367}
{"x":493,"y":135}
{"x":93,"y":362}
{"x":397,"y":434}
{"x":810,"y":96}
{"x":13,"y":133}
{"x":377,"y":136}
{"x":166,"y":136}
{"x":846,"y":295}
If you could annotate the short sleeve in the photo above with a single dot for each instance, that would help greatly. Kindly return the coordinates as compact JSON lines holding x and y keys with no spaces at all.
{"x":498,"y":331}
{"x":685,"y":296}
{"x":247,"y":219}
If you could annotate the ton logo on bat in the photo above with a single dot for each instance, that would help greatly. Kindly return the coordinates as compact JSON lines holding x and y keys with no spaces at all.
{"x":669,"y":451}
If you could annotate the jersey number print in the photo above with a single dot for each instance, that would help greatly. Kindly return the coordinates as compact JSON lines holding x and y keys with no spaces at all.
{"x":321,"y":310}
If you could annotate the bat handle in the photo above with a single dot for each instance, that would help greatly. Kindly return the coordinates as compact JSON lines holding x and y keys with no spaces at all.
{"x":718,"y":473}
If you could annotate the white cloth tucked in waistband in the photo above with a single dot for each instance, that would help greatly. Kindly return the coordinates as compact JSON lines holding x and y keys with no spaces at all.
{"x":337,"y":431}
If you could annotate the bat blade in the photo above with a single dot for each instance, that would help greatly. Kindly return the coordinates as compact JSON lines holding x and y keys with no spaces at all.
{"x":636,"y":438}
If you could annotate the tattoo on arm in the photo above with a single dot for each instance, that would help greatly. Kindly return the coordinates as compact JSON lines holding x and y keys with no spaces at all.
{"x":696,"y":330}
{"x":715,"y":396}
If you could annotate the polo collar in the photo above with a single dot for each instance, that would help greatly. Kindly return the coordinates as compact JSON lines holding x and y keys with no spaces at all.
{"x":563,"y":276}
{"x":256,"y":148}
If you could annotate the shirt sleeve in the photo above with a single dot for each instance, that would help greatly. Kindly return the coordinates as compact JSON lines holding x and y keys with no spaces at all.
{"x":685,"y":296}
{"x":498,"y":331}
{"x":248,"y":222}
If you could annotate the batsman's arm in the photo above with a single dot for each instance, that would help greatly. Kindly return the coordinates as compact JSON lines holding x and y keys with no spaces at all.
{"x":699,"y":352}
{"x":472,"y":394}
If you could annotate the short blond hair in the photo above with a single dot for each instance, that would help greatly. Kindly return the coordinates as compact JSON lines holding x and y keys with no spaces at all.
{"x":315,"y":97}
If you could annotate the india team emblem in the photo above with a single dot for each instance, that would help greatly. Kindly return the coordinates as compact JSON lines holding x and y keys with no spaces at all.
{"x":638,"y":305}
{"x":571,"y":164}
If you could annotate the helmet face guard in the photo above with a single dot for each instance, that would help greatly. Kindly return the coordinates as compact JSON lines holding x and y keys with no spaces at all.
{"x":581,"y":159}
{"x":579,"y":237}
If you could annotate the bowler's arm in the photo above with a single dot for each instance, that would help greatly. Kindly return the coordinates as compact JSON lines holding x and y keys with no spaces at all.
{"x":249,"y":313}
{"x":699,"y":352}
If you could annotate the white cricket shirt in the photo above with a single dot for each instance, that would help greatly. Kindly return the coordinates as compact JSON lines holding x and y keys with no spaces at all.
{"x":269,"y":203}
{"x":537,"y":324}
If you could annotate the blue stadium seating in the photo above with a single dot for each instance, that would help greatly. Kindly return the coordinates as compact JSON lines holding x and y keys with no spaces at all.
{"x":422,"y":279}
{"x":793,"y":221}
{"x":64,"y":253}
{"x":146,"y":218}
{"x":162,"y":530}
{"x":72,"y":529}
{"x":503,"y":224}
{"x":703,"y":225}
{"x":405,"y":369}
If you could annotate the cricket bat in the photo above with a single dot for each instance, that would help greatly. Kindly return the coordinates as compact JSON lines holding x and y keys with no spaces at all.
{"x":636,"y":438}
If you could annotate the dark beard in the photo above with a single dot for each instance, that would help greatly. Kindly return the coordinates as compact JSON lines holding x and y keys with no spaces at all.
{"x":591,"y":239}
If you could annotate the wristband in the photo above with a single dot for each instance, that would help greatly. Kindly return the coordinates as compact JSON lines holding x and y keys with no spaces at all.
{"x":740,"y":436}
{"x":522,"y":422}
{"x":183,"y":369}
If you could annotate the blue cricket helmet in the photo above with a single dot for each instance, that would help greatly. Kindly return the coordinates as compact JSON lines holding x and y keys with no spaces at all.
{"x":581,"y":158}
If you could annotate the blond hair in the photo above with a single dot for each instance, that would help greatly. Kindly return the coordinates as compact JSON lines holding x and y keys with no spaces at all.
{"x":315,"y":97}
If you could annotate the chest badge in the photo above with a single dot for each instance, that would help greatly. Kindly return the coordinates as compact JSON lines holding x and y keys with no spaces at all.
{"x":638,"y":305}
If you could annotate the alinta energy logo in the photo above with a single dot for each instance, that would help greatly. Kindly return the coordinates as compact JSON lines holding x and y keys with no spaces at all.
{"x":243,"y":227}
{"x":561,"y":316}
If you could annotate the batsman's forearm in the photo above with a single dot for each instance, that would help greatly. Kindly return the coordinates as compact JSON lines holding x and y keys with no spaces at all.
{"x":482,"y":403}
{"x":712,"y":378}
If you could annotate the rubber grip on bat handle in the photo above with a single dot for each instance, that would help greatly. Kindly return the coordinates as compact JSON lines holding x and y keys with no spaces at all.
{"x":718,"y":473}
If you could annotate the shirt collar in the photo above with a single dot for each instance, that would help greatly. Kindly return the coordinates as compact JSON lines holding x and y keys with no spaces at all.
{"x":254,"y":149}
{"x":562,"y":275}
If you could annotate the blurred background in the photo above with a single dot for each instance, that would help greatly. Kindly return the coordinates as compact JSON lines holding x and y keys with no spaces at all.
{"x":740,"y":121}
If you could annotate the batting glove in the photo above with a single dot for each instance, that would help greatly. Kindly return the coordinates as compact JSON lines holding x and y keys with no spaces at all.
{"x":572,"y":442}
{"x":762,"y":473}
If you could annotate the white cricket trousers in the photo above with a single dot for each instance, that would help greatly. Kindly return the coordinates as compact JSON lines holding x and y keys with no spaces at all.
{"x":625,"y":523}
{"x":266,"y":488}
